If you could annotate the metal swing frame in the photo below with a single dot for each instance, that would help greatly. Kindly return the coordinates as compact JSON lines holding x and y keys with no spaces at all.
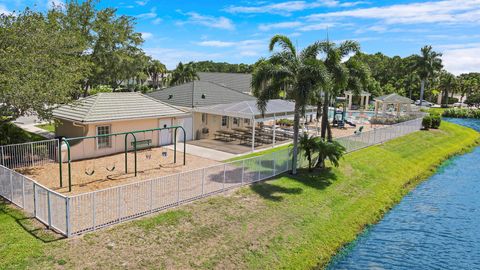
{"x":132,"y":133}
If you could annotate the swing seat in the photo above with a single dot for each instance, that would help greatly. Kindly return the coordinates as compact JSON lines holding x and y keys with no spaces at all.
{"x":111,"y":169}
{"x":143,"y":144}
{"x":89,"y":172}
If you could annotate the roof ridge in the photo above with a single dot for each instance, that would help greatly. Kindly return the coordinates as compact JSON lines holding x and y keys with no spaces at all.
{"x":226,"y":87}
{"x":161,"y":102}
{"x":97,"y":96}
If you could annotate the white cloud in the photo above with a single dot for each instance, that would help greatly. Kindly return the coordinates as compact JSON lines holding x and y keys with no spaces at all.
{"x":249,"y":47}
{"x":315,"y":27}
{"x":142,"y":3}
{"x":55,"y":3}
{"x":281,"y":25}
{"x":157,"y":21}
{"x":146,"y":35}
{"x":287,"y":7}
{"x":447,"y":11}
{"x":170,"y":57}
{"x":4,"y":10}
{"x":209,"y":21}
{"x":462,"y":58}
{"x":148,"y":15}
{"x":215,"y":43}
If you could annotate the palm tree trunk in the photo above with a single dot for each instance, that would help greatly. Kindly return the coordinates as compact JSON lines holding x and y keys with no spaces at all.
{"x":296,"y":126}
{"x":324,"y":116}
{"x":422,"y":90}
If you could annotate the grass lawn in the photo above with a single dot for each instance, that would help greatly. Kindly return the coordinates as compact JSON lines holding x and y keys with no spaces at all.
{"x":259,"y":153}
{"x":10,"y":134}
{"x":48,"y":127}
{"x":287,"y":222}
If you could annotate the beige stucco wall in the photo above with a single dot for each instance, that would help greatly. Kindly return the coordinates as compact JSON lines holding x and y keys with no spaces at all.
{"x":87,"y":148}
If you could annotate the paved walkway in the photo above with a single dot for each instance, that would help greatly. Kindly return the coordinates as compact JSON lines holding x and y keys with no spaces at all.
{"x":204,"y":152}
{"x":29,"y":123}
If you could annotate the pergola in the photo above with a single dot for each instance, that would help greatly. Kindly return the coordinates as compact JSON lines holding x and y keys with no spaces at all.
{"x":392,"y":99}
{"x":275,"y":109}
{"x":364,"y":98}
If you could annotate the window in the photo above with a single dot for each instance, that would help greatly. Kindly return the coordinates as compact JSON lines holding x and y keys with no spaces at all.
{"x":247,"y":122}
{"x":224,"y":121}
{"x":104,"y":141}
{"x":204,"y":118}
{"x":236,"y":121}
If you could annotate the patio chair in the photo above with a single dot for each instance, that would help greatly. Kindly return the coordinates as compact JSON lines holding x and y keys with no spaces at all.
{"x":359,"y":131}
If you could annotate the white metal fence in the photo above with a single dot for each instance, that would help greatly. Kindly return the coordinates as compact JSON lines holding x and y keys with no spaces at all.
{"x":30,"y":154}
{"x":73,"y":215}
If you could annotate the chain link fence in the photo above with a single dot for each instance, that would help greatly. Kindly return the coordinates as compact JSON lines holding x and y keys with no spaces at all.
{"x":73,"y":215}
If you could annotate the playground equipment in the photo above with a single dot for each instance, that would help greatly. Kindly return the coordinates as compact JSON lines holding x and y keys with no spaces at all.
{"x":90,"y":170}
{"x":339,"y":115}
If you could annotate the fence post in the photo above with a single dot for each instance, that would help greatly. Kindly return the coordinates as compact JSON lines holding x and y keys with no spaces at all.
{"x":11,"y":186}
{"x":67,"y":215}
{"x":23,"y":192}
{"x":203,"y":182}
{"x":93,"y":210}
{"x":34,"y":199}
{"x":151,"y":196}
{"x":119,"y":208}
{"x":31,"y":157}
{"x":3,"y":157}
{"x":178,"y":189}
{"x":49,"y":209}
{"x":243,"y":170}
{"x":258,"y":168}
{"x":224,"y":176}
{"x":274,"y":165}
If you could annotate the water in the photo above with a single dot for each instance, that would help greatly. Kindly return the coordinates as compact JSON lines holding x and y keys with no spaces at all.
{"x":436,"y":226}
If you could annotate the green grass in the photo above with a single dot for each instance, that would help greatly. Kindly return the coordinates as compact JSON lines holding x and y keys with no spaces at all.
{"x":435,"y":110}
{"x":48,"y":127}
{"x":10,"y":134}
{"x":288,"y":222}
{"x":259,"y":153}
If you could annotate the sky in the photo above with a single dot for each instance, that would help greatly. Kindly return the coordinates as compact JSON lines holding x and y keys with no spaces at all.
{"x":239,"y":31}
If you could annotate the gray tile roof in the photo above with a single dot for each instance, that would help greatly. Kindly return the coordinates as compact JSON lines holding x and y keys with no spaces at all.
{"x":394,"y":99}
{"x":105,"y":107}
{"x":198,"y":94}
{"x":237,"y":81}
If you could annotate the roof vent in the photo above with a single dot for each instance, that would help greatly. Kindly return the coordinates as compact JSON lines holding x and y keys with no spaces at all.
{"x":203,"y":96}
{"x":170,"y":96}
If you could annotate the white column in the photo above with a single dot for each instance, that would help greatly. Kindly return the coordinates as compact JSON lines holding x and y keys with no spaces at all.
{"x":398,"y":109}
{"x":376,"y":108}
{"x":361,"y":100}
{"x":253,"y":134}
{"x":349,"y":101}
{"x":366,"y":104}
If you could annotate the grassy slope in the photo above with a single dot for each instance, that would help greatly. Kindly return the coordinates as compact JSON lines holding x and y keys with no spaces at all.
{"x":48,"y":127}
{"x":286,"y":222}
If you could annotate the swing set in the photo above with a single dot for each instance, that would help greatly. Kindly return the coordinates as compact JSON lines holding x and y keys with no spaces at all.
{"x":90,"y":170}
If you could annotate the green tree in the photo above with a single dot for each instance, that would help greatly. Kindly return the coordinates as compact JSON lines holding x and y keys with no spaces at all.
{"x":329,"y":150}
{"x":183,"y":73}
{"x":337,"y":76}
{"x":426,"y":65}
{"x":296,"y":75}
{"x":359,"y":77}
{"x":308,"y":145}
{"x":447,"y":84}
{"x":40,"y":65}
{"x":156,"y":71}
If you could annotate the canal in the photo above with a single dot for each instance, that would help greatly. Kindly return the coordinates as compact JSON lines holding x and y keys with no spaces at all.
{"x":435,"y":226}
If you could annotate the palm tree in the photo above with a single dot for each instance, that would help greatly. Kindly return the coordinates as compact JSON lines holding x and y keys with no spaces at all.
{"x":183,"y":74}
{"x":338,"y":75}
{"x":156,"y":70}
{"x":331,"y":150}
{"x":359,"y":77}
{"x":297,"y":76}
{"x":426,"y":64}
{"x":447,"y":83}
{"x":308,"y":144}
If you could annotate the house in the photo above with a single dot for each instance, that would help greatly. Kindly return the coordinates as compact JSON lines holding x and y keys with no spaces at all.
{"x":108,"y":113}
{"x":197,"y":94}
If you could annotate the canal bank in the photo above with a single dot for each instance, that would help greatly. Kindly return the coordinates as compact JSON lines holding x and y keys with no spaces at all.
{"x":436,"y":225}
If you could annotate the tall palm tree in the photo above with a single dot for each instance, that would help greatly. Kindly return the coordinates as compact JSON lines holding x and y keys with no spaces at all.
{"x":426,"y":64}
{"x":338,"y":75}
{"x":156,"y":70}
{"x":296,"y":76}
{"x":447,"y":83}
{"x":183,"y":74}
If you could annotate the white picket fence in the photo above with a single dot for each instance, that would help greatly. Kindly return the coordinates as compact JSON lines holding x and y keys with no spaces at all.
{"x":73,"y":215}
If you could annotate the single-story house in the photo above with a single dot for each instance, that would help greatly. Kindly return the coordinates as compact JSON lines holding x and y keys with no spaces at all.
{"x":197,"y":94}
{"x":108,"y":113}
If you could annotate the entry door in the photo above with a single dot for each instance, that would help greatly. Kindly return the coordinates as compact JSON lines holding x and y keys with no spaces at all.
{"x":186,"y":123}
{"x":165,"y":136}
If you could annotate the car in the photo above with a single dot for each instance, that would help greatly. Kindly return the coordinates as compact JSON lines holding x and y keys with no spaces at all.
{"x":424,"y":103}
{"x":460,"y":104}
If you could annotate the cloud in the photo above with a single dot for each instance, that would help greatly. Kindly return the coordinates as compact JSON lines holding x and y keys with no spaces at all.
{"x":249,"y":47}
{"x":170,"y":57}
{"x":55,"y":3}
{"x":4,"y":10}
{"x":157,"y":21}
{"x":142,"y":3}
{"x":209,"y":21}
{"x":462,"y":58}
{"x":146,"y":35}
{"x":447,"y":11}
{"x":286,"y":8}
{"x":281,"y":25}
{"x":149,"y":15}
{"x":215,"y":43}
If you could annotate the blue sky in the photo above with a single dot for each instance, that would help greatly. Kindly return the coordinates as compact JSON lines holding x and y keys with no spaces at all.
{"x":238,"y":31}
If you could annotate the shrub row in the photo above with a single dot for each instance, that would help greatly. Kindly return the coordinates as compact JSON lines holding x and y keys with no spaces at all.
{"x":431,"y":121}
{"x":390,"y":120}
{"x":461,"y":113}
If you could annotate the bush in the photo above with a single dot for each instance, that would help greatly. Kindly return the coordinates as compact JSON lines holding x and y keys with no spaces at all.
{"x":436,"y":120}
{"x":390,"y":120}
{"x":427,"y":122}
{"x":462,"y":113}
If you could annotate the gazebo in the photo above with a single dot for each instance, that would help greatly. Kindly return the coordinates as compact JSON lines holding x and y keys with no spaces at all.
{"x":364,"y":98}
{"x":392,"y":99}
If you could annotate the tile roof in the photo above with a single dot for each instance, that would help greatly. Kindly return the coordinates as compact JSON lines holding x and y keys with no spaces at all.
{"x":198,"y":94}
{"x":394,"y":99}
{"x":240,"y":82}
{"x":105,"y":107}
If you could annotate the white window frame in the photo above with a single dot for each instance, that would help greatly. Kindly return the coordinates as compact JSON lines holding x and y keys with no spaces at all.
{"x":227,"y":119}
{"x":108,"y":140}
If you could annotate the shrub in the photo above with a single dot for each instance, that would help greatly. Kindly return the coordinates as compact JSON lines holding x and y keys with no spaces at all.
{"x":436,"y":120}
{"x":427,"y":122}
{"x":462,"y":113}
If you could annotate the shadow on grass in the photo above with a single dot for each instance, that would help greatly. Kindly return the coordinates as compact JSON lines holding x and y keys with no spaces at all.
{"x":29,"y":224}
{"x":272,"y":192}
{"x":318,"y":178}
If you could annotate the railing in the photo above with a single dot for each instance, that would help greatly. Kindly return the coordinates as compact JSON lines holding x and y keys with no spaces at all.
{"x":90,"y":211}
{"x":30,"y":154}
